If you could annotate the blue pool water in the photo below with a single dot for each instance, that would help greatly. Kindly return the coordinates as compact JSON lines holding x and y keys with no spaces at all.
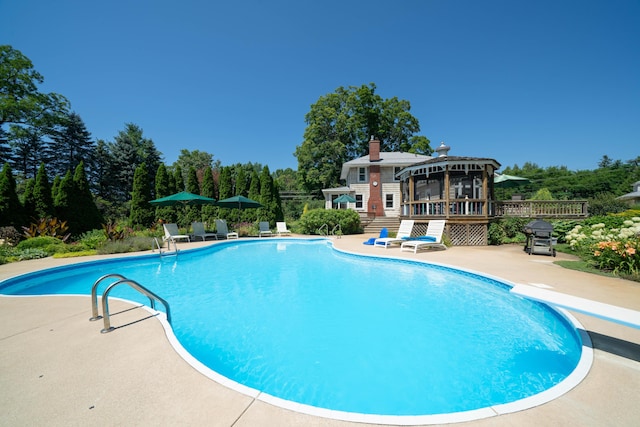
{"x":303,"y":322}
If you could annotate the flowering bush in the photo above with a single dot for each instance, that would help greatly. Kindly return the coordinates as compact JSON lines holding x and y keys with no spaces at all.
{"x":612,"y":249}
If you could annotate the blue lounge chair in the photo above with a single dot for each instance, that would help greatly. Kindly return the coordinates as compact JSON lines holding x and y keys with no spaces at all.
{"x":383,"y":233}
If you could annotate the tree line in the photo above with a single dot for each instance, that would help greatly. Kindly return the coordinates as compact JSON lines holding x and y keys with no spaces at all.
{"x":613,"y":178}
{"x":52,"y":165}
{"x":43,"y":143}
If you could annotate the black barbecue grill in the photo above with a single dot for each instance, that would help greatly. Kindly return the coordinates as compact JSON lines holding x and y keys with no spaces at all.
{"x":539,"y":238}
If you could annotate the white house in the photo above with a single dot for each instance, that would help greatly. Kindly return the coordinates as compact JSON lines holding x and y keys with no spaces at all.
{"x":371,"y":181}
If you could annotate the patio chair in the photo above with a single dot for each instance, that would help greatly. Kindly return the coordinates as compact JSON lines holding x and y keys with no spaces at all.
{"x":223,"y":231}
{"x":431,"y":239}
{"x":172,"y":233}
{"x":383,"y":233}
{"x":282,"y":228}
{"x":264,"y":229}
{"x":406,"y":226}
{"x":199,"y":231}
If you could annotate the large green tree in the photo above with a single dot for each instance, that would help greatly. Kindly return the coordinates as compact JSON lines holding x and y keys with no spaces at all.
{"x":72,"y":144}
{"x":200,"y":160}
{"x":339,"y":126}
{"x":22,"y":105}
{"x":129,"y":150}
{"x":29,"y":149}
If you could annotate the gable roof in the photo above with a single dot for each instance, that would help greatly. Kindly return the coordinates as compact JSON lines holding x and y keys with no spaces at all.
{"x":391,"y":158}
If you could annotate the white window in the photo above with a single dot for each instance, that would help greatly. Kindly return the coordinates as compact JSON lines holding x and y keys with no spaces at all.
{"x":359,"y":199}
{"x":388,"y":201}
{"x":362,"y":174}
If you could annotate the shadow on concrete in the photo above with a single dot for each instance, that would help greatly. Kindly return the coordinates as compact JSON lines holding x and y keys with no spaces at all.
{"x":615,"y":346}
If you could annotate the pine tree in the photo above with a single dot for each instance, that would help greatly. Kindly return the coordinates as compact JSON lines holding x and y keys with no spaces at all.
{"x":268,"y":212}
{"x":254,"y":194}
{"x":242,"y":187}
{"x":209,"y":212}
{"x":11,"y":211}
{"x":86,"y":216}
{"x":71,"y":143}
{"x":141,"y":215}
{"x":225,"y":186}
{"x":64,"y":202}
{"x":179,"y":179}
{"x":254,"y":187}
{"x":163,"y":178}
{"x":42,"y":194}
{"x":129,"y":150}
{"x":29,"y":201}
{"x":192,"y":213}
{"x":55,"y":187}
{"x":225,"y":189}
{"x":192,"y":181}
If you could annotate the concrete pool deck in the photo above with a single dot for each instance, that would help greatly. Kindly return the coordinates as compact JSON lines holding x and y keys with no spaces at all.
{"x":57,"y":369}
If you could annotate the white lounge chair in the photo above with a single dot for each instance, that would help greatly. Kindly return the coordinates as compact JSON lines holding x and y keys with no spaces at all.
{"x":199,"y":231}
{"x":403,"y":231}
{"x":172,"y":233}
{"x":432,"y":238}
{"x":223,"y":231}
{"x":282,"y":228}
{"x":264,"y":229}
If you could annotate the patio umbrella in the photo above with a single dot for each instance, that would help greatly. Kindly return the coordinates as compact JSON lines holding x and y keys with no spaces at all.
{"x":238,"y":202}
{"x":345,"y":198}
{"x":183,"y":198}
{"x":508,"y":181}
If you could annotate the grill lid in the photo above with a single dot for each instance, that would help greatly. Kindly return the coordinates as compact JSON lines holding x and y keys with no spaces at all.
{"x":538,"y":226}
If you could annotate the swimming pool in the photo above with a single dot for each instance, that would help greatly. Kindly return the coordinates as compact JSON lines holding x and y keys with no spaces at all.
{"x":304,"y":323}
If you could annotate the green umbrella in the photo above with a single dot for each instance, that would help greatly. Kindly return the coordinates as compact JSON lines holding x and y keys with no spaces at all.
{"x":507,"y":181}
{"x":345,"y":198}
{"x":183,"y":198}
{"x":239,"y":202}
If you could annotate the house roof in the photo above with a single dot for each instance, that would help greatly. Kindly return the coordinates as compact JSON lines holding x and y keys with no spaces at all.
{"x":391,"y":158}
{"x":337,"y":190}
{"x":634,"y":195}
{"x":424,"y":166}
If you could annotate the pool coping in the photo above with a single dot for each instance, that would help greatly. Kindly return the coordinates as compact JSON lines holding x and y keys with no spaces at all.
{"x":572,"y":380}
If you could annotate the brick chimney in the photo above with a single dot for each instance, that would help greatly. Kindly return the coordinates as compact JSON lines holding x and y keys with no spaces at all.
{"x":374,"y":150}
{"x":375,"y":186}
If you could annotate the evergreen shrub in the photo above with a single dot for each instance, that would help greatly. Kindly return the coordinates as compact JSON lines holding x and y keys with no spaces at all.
{"x":348,"y":219}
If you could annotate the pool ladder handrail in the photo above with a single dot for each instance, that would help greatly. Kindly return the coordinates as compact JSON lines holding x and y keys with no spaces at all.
{"x":336,"y":227}
{"x":323,"y":230}
{"x":105,"y":299}
{"x":156,"y":244}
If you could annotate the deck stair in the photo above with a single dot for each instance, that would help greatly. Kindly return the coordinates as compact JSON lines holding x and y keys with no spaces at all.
{"x":390,"y":223}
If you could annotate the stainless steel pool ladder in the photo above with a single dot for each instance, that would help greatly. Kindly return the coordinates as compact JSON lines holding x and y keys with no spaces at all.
{"x":336,"y":229}
{"x":105,"y":299}
{"x":323,"y":230}
{"x":157,"y":244}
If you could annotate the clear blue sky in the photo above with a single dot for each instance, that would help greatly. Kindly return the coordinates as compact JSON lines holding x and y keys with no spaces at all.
{"x":554,"y":82}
